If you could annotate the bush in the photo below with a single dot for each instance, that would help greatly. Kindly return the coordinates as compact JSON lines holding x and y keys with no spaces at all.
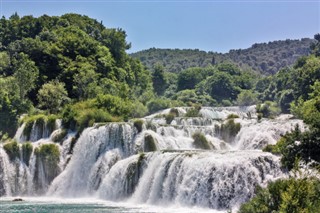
{"x":114,"y":105}
{"x":291,"y":195}
{"x":49,"y":156}
{"x":169,"y":118}
{"x":88,"y":117}
{"x":194,"y":111}
{"x":246,"y":98}
{"x":39,"y":120}
{"x":138,"y":110}
{"x":232,"y":116}
{"x":51,"y":122}
{"x":84,"y":114}
{"x":149,"y":144}
{"x":268,"y":109}
{"x":27,"y":149}
{"x":229,"y":130}
{"x":200,"y":141}
{"x":12,"y":149}
{"x":138,"y":124}
{"x":158,"y":104}
{"x":60,"y":136}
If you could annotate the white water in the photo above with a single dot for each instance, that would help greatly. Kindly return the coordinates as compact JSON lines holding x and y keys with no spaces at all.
{"x":108,"y":161}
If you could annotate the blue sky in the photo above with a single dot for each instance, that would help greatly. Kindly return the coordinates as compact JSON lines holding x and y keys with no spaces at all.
{"x":211,"y":25}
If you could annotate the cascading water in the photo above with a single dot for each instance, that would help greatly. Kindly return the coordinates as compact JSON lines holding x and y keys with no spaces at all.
{"x":160,"y":164}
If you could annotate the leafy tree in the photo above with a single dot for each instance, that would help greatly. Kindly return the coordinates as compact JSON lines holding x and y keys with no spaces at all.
{"x":292,"y":195}
{"x":189,"y":78}
{"x":159,"y":80}
{"x":247,"y":98}
{"x":52,"y":96}
{"x":25,"y":73}
{"x":221,"y":86}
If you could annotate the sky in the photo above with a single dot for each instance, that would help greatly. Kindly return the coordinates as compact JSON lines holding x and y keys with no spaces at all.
{"x":210,"y":25}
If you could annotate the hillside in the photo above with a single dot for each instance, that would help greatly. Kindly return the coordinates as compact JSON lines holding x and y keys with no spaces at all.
{"x":266,"y":58}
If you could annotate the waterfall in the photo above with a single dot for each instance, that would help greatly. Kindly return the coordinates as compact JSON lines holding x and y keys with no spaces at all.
{"x":161,"y":163}
{"x":95,"y":152}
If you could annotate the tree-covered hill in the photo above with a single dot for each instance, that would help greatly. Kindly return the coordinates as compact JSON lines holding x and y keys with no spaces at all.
{"x":49,"y":63}
{"x":266,"y":58}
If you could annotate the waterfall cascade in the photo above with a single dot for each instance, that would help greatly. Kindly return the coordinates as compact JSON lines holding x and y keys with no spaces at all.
{"x":211,"y":161}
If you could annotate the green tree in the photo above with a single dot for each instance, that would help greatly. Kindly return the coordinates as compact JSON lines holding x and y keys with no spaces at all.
{"x":159,"y":80}
{"x":25,"y":73}
{"x":221,"y":86}
{"x":247,"y":98}
{"x":52,"y":96}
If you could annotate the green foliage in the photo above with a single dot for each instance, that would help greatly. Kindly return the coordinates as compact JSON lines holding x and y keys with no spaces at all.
{"x":27,"y":150}
{"x":60,"y":136}
{"x":193,"y":111}
{"x":247,"y":98}
{"x":25,"y":73}
{"x":265,"y":58}
{"x":291,"y":195}
{"x":114,"y":105}
{"x":39,"y":119}
{"x":12,"y":149}
{"x":200,"y":141}
{"x":169,"y":117}
{"x":88,"y":117}
{"x":229,"y":130}
{"x":268,"y":109}
{"x":158,"y":104}
{"x":52,"y":96}
{"x":49,"y":155}
{"x":149,"y":144}
{"x":159,"y":80}
{"x":221,"y":86}
{"x":232,"y":116}
{"x":189,"y":78}
{"x":138,"y":123}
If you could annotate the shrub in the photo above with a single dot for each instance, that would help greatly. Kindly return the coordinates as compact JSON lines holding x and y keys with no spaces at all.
{"x":200,"y":141}
{"x":149,"y":144}
{"x":51,"y":122}
{"x":68,"y":117}
{"x":88,"y":117}
{"x":60,"y":136}
{"x":174,"y":111}
{"x":49,"y":155}
{"x":12,"y":149}
{"x":158,"y":104}
{"x":114,"y":105}
{"x":169,"y":118}
{"x":231,"y":116}
{"x":247,"y":98}
{"x":193,"y":111}
{"x":138,"y":124}
{"x":138,"y":110}
{"x":39,"y":120}
{"x":268,"y":109}
{"x":229,"y":130}
{"x":26,"y":152}
{"x":291,"y":195}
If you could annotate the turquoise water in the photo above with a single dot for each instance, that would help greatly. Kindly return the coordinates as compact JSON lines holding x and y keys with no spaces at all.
{"x":53,"y":205}
{"x":42,"y":206}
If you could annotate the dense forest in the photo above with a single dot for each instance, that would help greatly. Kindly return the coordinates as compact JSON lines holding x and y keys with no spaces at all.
{"x":264,"y":58}
{"x":74,"y":68}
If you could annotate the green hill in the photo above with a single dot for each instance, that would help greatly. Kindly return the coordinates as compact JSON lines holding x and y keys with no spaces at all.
{"x":265,"y":58}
